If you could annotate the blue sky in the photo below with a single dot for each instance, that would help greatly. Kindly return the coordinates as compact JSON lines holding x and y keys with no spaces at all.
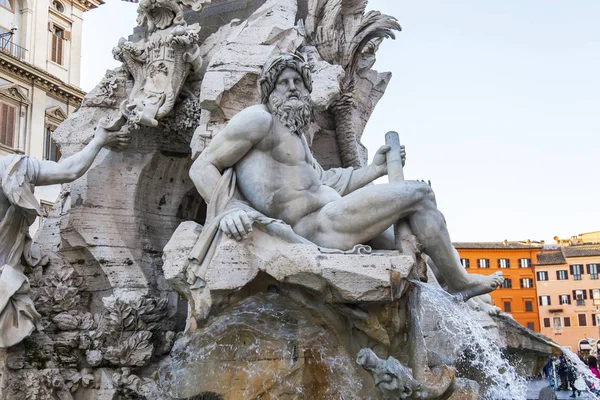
{"x":498,"y":103}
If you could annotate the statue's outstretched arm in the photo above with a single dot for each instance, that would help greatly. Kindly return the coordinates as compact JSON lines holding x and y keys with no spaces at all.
{"x":361,"y":176}
{"x":73,"y":167}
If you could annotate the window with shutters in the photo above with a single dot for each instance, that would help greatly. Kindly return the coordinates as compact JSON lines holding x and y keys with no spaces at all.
{"x":544,"y":300}
{"x":576,"y":271}
{"x":8,"y":4}
{"x":483,"y":262}
{"x":57,"y":46}
{"x":564,"y":299}
{"x":531,"y":326}
{"x":595,"y":318}
{"x":503,"y":263}
{"x":580,"y":296}
{"x":524,"y":262}
{"x":562,"y":275}
{"x":567,"y":321}
{"x":51,"y":151}
{"x":526,"y":283}
{"x":546,"y":322}
{"x":507,"y":307}
{"x":528,"y":306}
{"x":595,"y":294}
{"x":542,"y":275}
{"x":592,"y":269}
{"x":465,"y":262}
{"x":582,"y":320}
{"x":507,"y":284}
{"x":7,"y":125}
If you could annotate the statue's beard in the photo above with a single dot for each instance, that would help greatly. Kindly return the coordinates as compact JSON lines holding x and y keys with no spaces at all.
{"x":295,"y":114}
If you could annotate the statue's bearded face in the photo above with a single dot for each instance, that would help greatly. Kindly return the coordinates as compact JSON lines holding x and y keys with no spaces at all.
{"x":290,"y":101}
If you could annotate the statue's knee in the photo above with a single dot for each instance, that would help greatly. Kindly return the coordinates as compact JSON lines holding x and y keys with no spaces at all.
{"x":425,"y":192}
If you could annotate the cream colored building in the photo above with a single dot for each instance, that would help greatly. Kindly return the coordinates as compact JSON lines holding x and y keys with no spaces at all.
{"x":40,"y":66}
{"x":568,"y":291}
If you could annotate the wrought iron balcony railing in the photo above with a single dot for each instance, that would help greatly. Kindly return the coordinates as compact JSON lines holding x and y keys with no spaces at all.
{"x":7,"y":46}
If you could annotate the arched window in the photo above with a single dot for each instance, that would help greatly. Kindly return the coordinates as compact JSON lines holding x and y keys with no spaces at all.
{"x":57,"y":5}
{"x":7,"y":4}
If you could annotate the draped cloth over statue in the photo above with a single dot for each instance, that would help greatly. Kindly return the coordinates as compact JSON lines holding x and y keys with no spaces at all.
{"x":18,"y":317}
{"x":227,"y":198}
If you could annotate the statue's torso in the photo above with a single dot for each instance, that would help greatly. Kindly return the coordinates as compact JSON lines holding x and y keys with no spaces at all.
{"x":278,"y":179}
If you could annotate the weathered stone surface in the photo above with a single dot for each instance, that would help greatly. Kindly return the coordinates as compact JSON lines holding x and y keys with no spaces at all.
{"x":229,"y":84}
{"x":267,"y":346}
{"x":339,"y":278}
{"x":465,"y":389}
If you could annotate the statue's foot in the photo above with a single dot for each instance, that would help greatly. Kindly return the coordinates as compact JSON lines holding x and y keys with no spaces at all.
{"x":478,"y":285}
{"x":484,"y":303}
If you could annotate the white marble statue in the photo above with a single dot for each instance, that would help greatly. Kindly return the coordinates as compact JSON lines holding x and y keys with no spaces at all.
{"x":261,"y":166}
{"x":19,"y":208}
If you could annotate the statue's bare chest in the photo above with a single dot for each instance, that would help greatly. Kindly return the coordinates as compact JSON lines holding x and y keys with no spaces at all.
{"x":285,"y":147}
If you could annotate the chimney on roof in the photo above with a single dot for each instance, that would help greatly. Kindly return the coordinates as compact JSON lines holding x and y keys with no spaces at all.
{"x":505,"y":243}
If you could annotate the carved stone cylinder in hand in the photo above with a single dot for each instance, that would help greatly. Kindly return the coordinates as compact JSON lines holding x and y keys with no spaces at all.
{"x":394,"y":157}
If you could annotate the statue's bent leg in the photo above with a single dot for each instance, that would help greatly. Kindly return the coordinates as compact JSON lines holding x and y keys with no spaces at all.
{"x":367,"y":212}
{"x":363,"y":214}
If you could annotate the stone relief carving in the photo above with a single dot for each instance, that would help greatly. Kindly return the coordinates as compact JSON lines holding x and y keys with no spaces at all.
{"x":345,"y":34}
{"x":391,"y":377}
{"x":160,"y":64}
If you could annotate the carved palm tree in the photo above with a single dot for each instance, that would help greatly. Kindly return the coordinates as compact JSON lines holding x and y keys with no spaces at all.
{"x":344,"y":34}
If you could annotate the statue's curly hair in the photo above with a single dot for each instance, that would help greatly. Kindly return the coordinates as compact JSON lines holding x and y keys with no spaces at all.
{"x":275,"y":67}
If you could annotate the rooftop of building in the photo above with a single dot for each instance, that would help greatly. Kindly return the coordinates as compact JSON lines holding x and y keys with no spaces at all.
{"x":582,"y":250}
{"x":559,"y":256}
{"x":525,"y":244}
{"x":550,"y":257}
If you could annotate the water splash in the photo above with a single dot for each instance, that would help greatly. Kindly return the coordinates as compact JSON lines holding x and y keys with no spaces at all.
{"x":467,"y":336}
{"x":582,"y":370}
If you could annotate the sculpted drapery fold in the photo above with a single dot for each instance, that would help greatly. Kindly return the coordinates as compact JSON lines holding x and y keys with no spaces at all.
{"x":18,"y":316}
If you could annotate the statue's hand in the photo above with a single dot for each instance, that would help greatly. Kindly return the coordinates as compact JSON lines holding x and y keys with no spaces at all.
{"x":237,"y":225}
{"x":379,"y":161}
{"x":115,"y":139}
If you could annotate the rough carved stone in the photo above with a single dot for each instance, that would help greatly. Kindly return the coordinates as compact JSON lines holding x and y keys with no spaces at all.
{"x":391,"y":377}
{"x":160,"y":64}
{"x":265,"y":346}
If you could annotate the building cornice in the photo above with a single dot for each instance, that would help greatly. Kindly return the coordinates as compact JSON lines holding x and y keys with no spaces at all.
{"x":87,"y":5}
{"x":50,"y":83}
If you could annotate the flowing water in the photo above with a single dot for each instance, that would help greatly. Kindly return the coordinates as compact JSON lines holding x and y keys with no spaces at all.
{"x":466,"y":336}
{"x":582,"y":370}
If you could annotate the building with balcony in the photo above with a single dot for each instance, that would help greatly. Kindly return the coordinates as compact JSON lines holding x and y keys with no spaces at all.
{"x":40,"y":56}
{"x":568,"y":292}
{"x":517,"y":296}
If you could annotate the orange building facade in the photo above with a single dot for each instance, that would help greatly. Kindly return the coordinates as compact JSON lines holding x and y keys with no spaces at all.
{"x":515,"y":260}
{"x":568,"y":289}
